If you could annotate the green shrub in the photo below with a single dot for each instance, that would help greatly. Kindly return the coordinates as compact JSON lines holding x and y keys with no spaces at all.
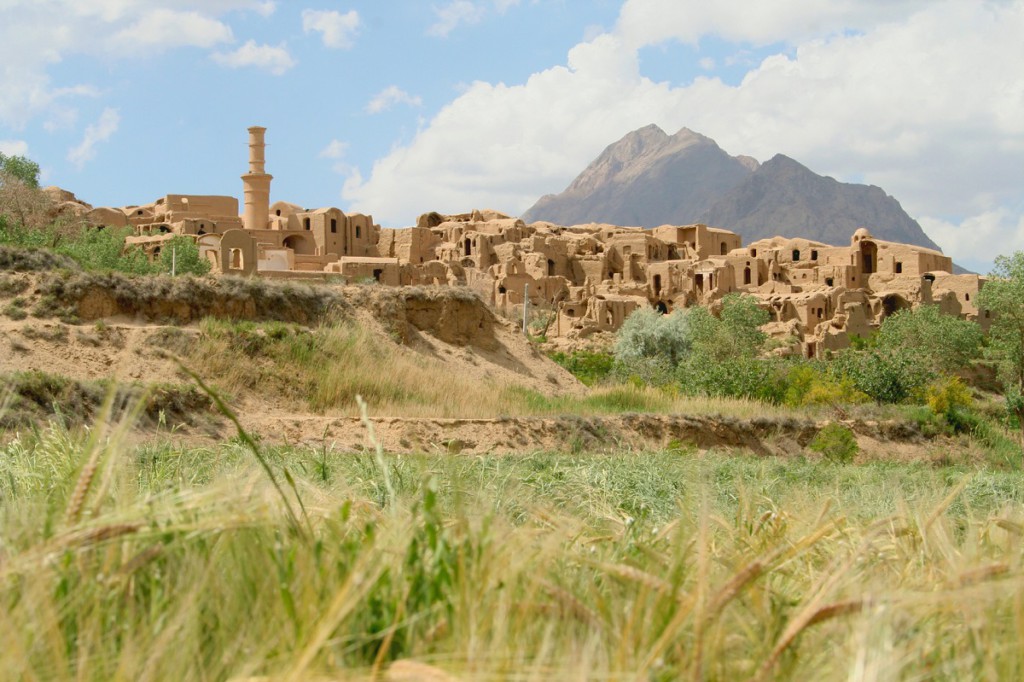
{"x":835,"y":443}
{"x":103,"y":249}
{"x":14,"y":311}
{"x":182,"y":253}
{"x":589,"y":367}
{"x":886,"y":376}
{"x":808,"y":384}
{"x":936,"y":341}
{"x":947,"y":395}
{"x":646,"y":333}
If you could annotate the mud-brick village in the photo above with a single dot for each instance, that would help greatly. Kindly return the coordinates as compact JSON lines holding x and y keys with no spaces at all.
{"x":493,"y":340}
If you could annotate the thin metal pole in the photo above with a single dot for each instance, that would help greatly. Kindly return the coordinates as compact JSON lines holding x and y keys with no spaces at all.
{"x":174,"y":260}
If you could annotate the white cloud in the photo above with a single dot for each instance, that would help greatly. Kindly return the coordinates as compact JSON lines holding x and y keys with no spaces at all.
{"x":36,"y":34}
{"x":707,"y":63}
{"x":504,"y":5}
{"x":163,"y":29}
{"x":338,"y":30}
{"x":990,"y":233}
{"x":274,"y":59}
{"x":336,"y":149}
{"x":452,"y":15}
{"x":265,"y":8}
{"x":13,"y":147}
{"x":648,"y":22}
{"x":923,"y":99}
{"x":107,"y":125}
{"x":389,"y":97}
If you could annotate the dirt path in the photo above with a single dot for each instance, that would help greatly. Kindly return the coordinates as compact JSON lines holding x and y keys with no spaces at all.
{"x":613,"y":433}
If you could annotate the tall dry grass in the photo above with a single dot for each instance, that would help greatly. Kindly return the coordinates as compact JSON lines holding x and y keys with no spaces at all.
{"x":325,"y":368}
{"x":165,"y":562}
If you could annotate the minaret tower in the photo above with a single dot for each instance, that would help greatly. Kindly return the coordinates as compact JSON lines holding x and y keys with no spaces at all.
{"x":256,"y":183}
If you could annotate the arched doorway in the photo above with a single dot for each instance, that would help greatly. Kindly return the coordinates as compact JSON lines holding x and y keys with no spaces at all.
{"x":300,"y":244}
{"x":868,"y":257}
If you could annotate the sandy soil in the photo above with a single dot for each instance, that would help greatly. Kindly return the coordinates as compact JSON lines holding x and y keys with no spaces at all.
{"x":465,"y":338}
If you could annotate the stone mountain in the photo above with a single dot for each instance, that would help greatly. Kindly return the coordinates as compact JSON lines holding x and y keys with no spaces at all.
{"x":649,"y":178}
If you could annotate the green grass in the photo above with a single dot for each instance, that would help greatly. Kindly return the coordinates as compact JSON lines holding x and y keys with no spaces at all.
{"x":165,"y":561}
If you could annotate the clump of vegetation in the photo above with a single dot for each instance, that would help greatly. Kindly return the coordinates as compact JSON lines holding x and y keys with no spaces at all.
{"x":15,"y":310}
{"x":590,"y":367}
{"x":835,"y":443}
{"x":33,"y":397}
{"x":1003,"y":297}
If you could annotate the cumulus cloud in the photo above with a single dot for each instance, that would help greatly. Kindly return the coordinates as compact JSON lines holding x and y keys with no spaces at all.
{"x":389,"y":97}
{"x":101,"y":131}
{"x":164,"y":29}
{"x":975,"y":240}
{"x":36,"y":34}
{"x":335,"y":149}
{"x":274,"y":59}
{"x":13,"y":147}
{"x":337,"y":30}
{"x":923,"y":99}
{"x":648,"y":22}
{"x":452,"y":15}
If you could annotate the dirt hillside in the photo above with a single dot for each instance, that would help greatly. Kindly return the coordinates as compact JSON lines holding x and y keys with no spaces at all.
{"x":85,"y":326}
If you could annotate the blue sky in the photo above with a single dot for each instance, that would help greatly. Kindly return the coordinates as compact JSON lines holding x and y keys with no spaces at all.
{"x":403,"y":107}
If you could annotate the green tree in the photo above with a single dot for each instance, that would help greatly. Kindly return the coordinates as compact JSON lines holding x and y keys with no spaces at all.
{"x":25,"y":208}
{"x":104,"y":249}
{"x":647,"y":334}
{"x":1003,"y":296}
{"x":735,"y":333}
{"x":20,"y":168}
{"x":182,"y":253}
{"x":938,"y":342}
{"x":725,"y":354}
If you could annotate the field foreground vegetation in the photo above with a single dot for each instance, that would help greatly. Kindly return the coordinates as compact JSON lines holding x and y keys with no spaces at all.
{"x":167,"y":562}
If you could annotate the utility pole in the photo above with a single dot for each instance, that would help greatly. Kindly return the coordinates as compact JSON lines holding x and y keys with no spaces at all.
{"x":174,"y":260}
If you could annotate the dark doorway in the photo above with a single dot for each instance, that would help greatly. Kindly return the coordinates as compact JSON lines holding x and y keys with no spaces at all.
{"x":869,"y":257}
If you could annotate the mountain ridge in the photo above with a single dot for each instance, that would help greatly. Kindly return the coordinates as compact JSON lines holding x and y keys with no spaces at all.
{"x":649,"y":178}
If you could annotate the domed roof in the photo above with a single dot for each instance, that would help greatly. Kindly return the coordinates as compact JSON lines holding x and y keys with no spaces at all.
{"x":861,"y":234}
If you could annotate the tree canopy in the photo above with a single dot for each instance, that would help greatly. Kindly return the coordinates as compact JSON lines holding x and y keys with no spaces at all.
{"x":20,"y":168}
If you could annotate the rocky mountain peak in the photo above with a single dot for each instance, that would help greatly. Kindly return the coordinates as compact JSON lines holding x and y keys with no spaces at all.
{"x":649,"y":178}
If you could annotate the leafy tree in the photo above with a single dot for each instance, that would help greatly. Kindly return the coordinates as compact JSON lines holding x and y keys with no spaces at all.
{"x":885,"y":375}
{"x":1003,"y":295}
{"x":104,"y":249}
{"x":941,"y":343}
{"x":183,"y":254}
{"x":647,"y":334}
{"x":911,"y":349}
{"x":734,"y":333}
{"x":25,"y":206}
{"x":724,"y":358}
{"x":19,"y":168}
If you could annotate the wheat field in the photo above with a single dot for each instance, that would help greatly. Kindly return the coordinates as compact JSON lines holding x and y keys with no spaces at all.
{"x":160,"y":561}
